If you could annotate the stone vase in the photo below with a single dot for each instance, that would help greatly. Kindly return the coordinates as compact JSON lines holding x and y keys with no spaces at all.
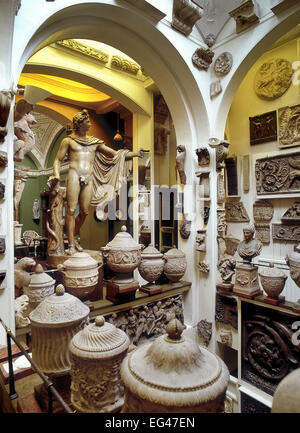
{"x":273,"y":282}
{"x":173,"y":375}
{"x":293,"y":261}
{"x":96,"y":355}
{"x":41,"y":285}
{"x":175,"y":265}
{"x":151,"y":267}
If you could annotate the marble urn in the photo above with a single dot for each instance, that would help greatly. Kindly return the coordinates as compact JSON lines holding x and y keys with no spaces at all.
{"x":96,"y":354}
{"x":123,"y":255}
{"x":273,"y":282}
{"x":175,"y":264}
{"x":53,"y":323}
{"x":173,"y":375}
{"x":151,"y":267}
{"x":41,"y":285}
{"x":80,"y":274}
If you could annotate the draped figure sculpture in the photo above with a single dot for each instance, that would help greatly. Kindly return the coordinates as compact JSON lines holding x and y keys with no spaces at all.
{"x":95,"y":172}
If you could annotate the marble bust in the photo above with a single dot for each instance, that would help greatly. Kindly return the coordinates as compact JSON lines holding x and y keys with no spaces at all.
{"x":249,"y":247}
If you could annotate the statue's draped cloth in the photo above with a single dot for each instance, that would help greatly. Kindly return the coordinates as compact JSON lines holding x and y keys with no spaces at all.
{"x":109,"y":174}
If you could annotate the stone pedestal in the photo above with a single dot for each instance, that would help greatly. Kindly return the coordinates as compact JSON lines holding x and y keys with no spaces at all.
{"x":118,"y":293}
{"x":272,"y":301}
{"x":151,"y":289}
{"x":225,"y":287}
{"x":246,"y":281}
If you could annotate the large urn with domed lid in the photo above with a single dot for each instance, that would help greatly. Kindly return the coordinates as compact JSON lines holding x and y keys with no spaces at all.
{"x":173,"y":375}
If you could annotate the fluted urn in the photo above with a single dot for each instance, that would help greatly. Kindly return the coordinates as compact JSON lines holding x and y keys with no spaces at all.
{"x":53,"y":323}
{"x":173,"y":375}
{"x":151,"y":267}
{"x":293,"y":261}
{"x":123,"y":255}
{"x":41,"y":285}
{"x":96,"y":355}
{"x":175,"y":264}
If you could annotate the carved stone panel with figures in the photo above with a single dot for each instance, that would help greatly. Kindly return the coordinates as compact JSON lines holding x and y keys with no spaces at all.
{"x":263,"y":128}
{"x":236,"y":212}
{"x":268,"y":349}
{"x":289,"y":126}
{"x":278,"y":174}
{"x":148,"y":321}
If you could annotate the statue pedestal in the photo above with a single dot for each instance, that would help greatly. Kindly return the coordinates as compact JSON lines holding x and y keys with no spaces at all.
{"x":118,"y":293}
{"x":246,"y":281}
{"x":272,"y":301}
{"x":18,"y":233}
{"x":225,"y":287}
{"x":151,"y":289}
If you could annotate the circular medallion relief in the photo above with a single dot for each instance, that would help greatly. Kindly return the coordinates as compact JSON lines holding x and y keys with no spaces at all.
{"x":273,"y":78}
{"x":223,"y":64}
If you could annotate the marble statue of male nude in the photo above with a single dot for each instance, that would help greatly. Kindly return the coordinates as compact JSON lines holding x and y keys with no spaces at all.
{"x":81,"y":150}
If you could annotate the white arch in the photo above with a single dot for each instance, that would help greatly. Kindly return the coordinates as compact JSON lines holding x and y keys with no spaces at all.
{"x":134,"y":35}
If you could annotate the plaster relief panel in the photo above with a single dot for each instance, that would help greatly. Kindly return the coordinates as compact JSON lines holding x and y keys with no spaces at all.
{"x":161,"y":140}
{"x":292,"y":215}
{"x":220,"y":189}
{"x":231,"y":245}
{"x":262,"y":213}
{"x":3,"y":159}
{"x":204,"y":189}
{"x":5,"y":103}
{"x":244,"y":15}
{"x":236,"y":212}
{"x":289,"y":126}
{"x":278,"y":174}
{"x":263,"y":128}
{"x":215,"y":88}
{"x":204,"y":329}
{"x":246,"y":173}
{"x":203,"y":267}
{"x":273,"y":78}
{"x":285,"y":232}
{"x":223,"y":64}
{"x":184,"y":16}
{"x":201,"y":240}
{"x":203,"y":156}
{"x":202,"y":58}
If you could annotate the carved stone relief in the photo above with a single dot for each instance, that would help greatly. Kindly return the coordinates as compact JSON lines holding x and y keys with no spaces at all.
{"x":210,"y":39}
{"x":202,"y":58}
{"x":289,"y":126}
{"x":161,"y":111}
{"x":226,"y":268}
{"x":161,"y":140}
{"x":236,"y":212}
{"x":231,"y":245}
{"x":262,"y":213}
{"x":284,"y":232}
{"x":223,"y":64}
{"x":3,"y":159}
{"x":292,"y":215}
{"x":203,"y":156}
{"x":268,"y":352}
{"x":221,"y":247}
{"x":226,"y":337}
{"x":205,"y":213}
{"x":226,"y":310}
{"x":185,"y":14}
{"x":204,"y":189}
{"x":201,"y":240}
{"x":221,"y":221}
{"x":148,"y":321}
{"x":180,"y":160}
{"x":84,"y":49}
{"x":244,"y":16}
{"x":5,"y":103}
{"x":185,"y":229}
{"x":2,"y":245}
{"x":215,"y":88}
{"x":204,"y":329}
{"x":203,"y":267}
{"x":273,"y":78}
{"x":278,"y":174}
{"x":263,"y":128}
{"x":222,"y":151}
{"x":124,"y":65}
{"x":262,"y":232}
{"x":220,"y":189}
{"x":2,"y":190}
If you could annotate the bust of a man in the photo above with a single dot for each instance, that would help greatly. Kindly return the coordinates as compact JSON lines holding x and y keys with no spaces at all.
{"x":249,"y":247}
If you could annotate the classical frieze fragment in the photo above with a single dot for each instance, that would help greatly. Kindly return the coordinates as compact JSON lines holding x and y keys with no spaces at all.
{"x":292,"y":215}
{"x":124,"y":65}
{"x":235,"y":212}
{"x":273,"y":78}
{"x":289,"y":126}
{"x":278,"y":174}
{"x":84,"y":49}
{"x":284,"y":232}
{"x":185,"y":15}
{"x":263,"y":128}
{"x":244,"y":16}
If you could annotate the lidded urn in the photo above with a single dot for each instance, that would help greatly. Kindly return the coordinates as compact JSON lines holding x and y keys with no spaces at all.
{"x":53,"y":323}
{"x":293,"y":261}
{"x":273,"y":281}
{"x":175,"y":264}
{"x":41,"y":285}
{"x":80,"y":274}
{"x":151,"y":267}
{"x":123,"y":255}
{"x":173,"y":375}
{"x":96,"y":354}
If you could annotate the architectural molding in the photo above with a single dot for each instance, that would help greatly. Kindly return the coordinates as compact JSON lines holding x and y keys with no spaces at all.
{"x":83,"y":49}
{"x":185,"y":15}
